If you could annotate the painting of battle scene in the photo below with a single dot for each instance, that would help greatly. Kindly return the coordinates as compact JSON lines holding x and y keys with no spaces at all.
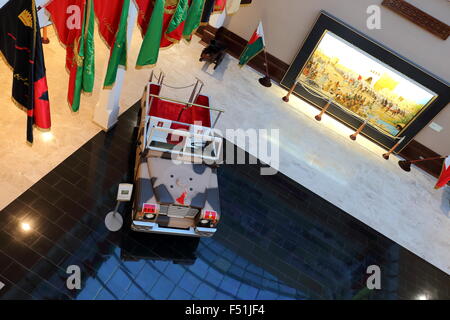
{"x":360,"y":83}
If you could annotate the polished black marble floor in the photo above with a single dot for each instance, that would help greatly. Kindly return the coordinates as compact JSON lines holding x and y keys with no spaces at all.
{"x":277,"y":240}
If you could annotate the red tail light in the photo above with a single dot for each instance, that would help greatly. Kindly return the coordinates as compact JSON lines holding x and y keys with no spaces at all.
{"x":149,"y":211}
{"x":149,"y":208}
{"x":209,"y":216}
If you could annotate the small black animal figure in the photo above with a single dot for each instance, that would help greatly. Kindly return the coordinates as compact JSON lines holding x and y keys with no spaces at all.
{"x":214,"y":53}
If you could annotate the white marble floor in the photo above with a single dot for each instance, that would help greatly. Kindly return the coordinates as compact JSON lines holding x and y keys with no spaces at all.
{"x":352,"y":175}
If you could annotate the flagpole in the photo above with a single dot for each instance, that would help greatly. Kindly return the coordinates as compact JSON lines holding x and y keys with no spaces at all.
{"x":267,"y":63}
{"x":406,"y":164}
{"x":265,"y":81}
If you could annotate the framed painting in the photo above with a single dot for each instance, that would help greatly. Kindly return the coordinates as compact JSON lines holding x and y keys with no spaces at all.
{"x":366,"y":82}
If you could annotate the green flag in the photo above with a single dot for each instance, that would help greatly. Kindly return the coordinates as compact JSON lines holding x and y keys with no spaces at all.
{"x":89,"y":50}
{"x":254,"y":46}
{"x":79,"y":43}
{"x":78,"y":86}
{"x":148,"y":55}
{"x":119,"y":52}
{"x":79,"y":77}
{"x":193,"y":19}
{"x":174,"y":31}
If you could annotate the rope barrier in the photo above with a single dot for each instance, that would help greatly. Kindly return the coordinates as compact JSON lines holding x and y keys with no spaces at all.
{"x":189,"y":104}
{"x":185,"y":87}
{"x":314,"y":94}
{"x":317,"y":95}
{"x":173,"y":87}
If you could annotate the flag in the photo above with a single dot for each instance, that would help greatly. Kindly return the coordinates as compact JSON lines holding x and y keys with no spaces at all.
{"x":21,"y":47}
{"x":182,"y":198}
{"x":219,"y":6}
{"x":444,"y":178}
{"x":115,"y":35}
{"x":145,"y":9}
{"x":193,"y":19}
{"x":174,"y":31}
{"x":89,"y":51}
{"x":148,"y":54}
{"x":170,"y":8}
{"x":208,"y":8}
{"x":108,"y":17}
{"x":72,"y":20}
{"x":86,"y":73}
{"x":255,"y":45}
{"x":233,"y":6}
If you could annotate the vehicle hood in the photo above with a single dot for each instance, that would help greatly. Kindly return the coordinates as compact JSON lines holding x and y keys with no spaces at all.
{"x":180,"y":184}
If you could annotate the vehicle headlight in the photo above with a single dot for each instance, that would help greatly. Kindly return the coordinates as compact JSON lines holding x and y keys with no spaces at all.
{"x":149,"y":211}
{"x":150,"y":216}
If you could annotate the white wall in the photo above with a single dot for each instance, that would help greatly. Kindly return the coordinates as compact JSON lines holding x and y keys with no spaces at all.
{"x":287,"y":24}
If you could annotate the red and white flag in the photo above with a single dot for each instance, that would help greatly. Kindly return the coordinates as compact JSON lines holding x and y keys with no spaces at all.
{"x":445,"y":174}
{"x":255,"y":45}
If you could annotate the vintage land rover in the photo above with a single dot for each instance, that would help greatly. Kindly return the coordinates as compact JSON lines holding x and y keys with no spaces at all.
{"x":176,"y":187}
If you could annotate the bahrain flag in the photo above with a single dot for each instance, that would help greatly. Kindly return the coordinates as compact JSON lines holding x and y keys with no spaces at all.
{"x":255,"y":45}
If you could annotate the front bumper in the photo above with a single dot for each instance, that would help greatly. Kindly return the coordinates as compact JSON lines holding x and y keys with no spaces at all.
{"x":152,"y":227}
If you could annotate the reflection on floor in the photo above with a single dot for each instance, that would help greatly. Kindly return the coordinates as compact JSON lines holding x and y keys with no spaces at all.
{"x":277,"y":240}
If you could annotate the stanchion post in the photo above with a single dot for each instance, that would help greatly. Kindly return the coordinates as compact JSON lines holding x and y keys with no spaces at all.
{"x":322,"y":112}
{"x":387,"y":154}
{"x":353,"y":136}
{"x":286,"y":97}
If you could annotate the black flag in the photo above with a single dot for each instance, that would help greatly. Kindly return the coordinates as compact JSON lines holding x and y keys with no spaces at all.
{"x":208,"y":9}
{"x":20,"y":44}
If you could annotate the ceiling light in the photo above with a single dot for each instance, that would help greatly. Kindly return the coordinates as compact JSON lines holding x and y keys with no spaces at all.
{"x":25,"y":226}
